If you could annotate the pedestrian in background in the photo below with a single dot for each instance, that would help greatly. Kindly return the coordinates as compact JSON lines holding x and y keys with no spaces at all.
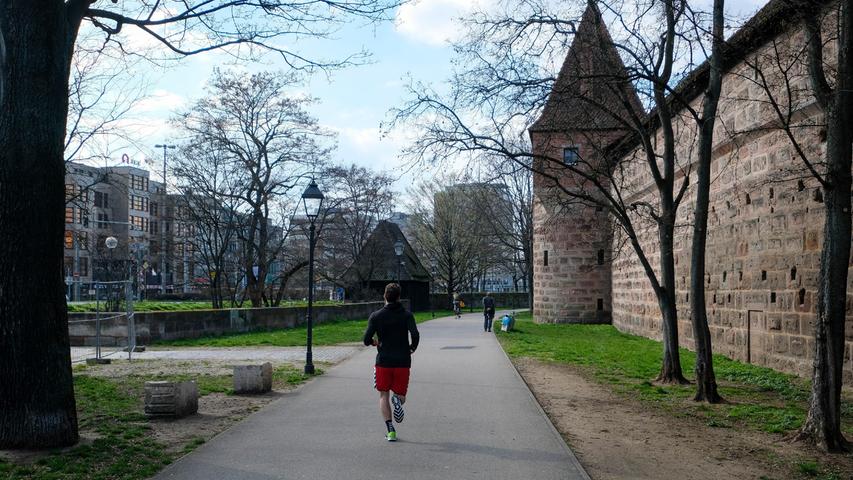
{"x":488,"y":312}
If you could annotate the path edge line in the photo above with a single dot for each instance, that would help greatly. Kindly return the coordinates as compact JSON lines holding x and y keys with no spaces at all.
{"x":573,"y":458}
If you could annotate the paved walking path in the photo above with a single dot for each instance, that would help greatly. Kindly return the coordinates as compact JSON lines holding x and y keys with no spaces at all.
{"x":333,"y":354}
{"x":468,"y":416}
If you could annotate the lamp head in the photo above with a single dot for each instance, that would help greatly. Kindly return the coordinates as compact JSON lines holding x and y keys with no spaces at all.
{"x":312,"y":198}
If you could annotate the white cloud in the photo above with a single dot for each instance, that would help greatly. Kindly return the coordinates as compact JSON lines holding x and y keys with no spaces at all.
{"x":160,"y":101}
{"x":435,"y":22}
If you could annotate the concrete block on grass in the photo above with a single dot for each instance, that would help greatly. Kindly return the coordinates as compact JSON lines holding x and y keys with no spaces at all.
{"x":171,"y":399}
{"x":253,"y":378}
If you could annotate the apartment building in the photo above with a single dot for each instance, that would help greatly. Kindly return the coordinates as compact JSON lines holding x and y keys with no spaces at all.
{"x":125,"y":203}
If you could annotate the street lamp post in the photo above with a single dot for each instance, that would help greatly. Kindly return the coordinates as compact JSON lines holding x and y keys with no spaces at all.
{"x":163,"y":224}
{"x":312,"y":198}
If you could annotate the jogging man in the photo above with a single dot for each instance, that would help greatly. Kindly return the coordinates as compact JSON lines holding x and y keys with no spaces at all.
{"x":392,"y":324}
{"x":488,"y":312}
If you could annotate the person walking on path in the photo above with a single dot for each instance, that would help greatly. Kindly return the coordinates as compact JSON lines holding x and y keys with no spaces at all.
{"x":392,"y":325}
{"x":458,"y":305}
{"x":488,"y":312}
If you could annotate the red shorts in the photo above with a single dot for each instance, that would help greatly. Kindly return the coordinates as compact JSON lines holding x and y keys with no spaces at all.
{"x":395,"y":379}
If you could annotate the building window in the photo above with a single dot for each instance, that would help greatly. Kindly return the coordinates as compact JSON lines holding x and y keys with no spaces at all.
{"x":600,"y":305}
{"x":601,"y":257}
{"x":153,"y":209}
{"x":571,"y":155}
{"x":69,"y":239}
{"x":83,"y":240}
{"x":102,"y":200}
{"x":154,"y":228}
{"x":69,"y":214}
{"x":103,"y":221}
{"x":83,"y":267}
{"x":82,"y":217}
{"x":545,"y":263}
{"x":138,"y":223}
{"x":71,"y":191}
{"x":138,"y":182}
{"x":139,"y":203}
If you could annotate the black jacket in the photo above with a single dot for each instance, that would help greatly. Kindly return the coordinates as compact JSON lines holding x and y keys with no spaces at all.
{"x":393,"y":324}
{"x":489,"y":304}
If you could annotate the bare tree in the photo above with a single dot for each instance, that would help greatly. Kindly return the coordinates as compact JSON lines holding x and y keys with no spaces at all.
{"x":103,"y":88}
{"x":359,"y":198}
{"x":210,"y":203}
{"x":37,"y":41}
{"x":810,"y":94}
{"x":505,"y":82}
{"x":507,"y":212}
{"x":706,"y":382}
{"x":447,"y":230}
{"x":271,"y":143}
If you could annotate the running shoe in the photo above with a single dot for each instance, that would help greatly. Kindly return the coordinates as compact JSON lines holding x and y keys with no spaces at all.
{"x":398,"y":408}
{"x":391,"y":436}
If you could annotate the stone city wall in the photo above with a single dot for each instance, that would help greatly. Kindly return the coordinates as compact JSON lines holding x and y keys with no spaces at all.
{"x":764,"y":238}
{"x":154,"y":326}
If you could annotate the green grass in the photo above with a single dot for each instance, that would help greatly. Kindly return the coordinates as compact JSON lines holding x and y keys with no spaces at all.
{"x":165,"y":306}
{"x":758,"y":398}
{"x":330,"y":333}
{"x":111,"y":411}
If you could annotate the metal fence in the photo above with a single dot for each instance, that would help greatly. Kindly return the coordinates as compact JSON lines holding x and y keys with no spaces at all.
{"x":106,"y":294}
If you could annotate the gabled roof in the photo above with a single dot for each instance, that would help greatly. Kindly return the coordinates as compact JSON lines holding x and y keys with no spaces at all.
{"x":377,"y":261}
{"x":592,"y":85}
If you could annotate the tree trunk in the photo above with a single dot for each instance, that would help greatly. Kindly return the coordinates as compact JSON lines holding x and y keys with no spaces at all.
{"x":671,"y":366}
{"x":255,"y":285}
{"x":37,"y":408}
{"x":706,"y":381}
{"x":823,"y":422}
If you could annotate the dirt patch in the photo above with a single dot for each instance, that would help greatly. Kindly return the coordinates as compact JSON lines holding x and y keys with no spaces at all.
{"x":620,"y":438}
{"x":216,"y":413}
{"x":164,"y":367}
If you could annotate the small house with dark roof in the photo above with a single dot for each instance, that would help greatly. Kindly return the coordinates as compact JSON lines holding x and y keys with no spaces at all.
{"x":378,"y":265}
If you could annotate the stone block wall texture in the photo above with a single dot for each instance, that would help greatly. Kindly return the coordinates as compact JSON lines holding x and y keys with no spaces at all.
{"x":764,"y":239}
{"x":765,"y":233}
{"x":573,"y":284}
{"x":154,"y":326}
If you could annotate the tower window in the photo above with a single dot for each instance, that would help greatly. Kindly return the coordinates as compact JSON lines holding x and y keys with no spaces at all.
{"x":601,"y":257}
{"x":545,"y":262}
{"x":571,"y":155}
{"x":600,"y":306}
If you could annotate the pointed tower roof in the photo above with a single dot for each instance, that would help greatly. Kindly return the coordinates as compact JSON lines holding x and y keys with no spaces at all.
{"x":378,"y":261}
{"x":592,"y":85}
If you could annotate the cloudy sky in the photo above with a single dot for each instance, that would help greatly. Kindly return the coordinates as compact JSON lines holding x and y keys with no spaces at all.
{"x":353,"y":102}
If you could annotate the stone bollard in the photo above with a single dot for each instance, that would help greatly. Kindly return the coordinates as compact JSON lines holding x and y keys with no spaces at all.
{"x":253,"y":378}
{"x":171,"y":399}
